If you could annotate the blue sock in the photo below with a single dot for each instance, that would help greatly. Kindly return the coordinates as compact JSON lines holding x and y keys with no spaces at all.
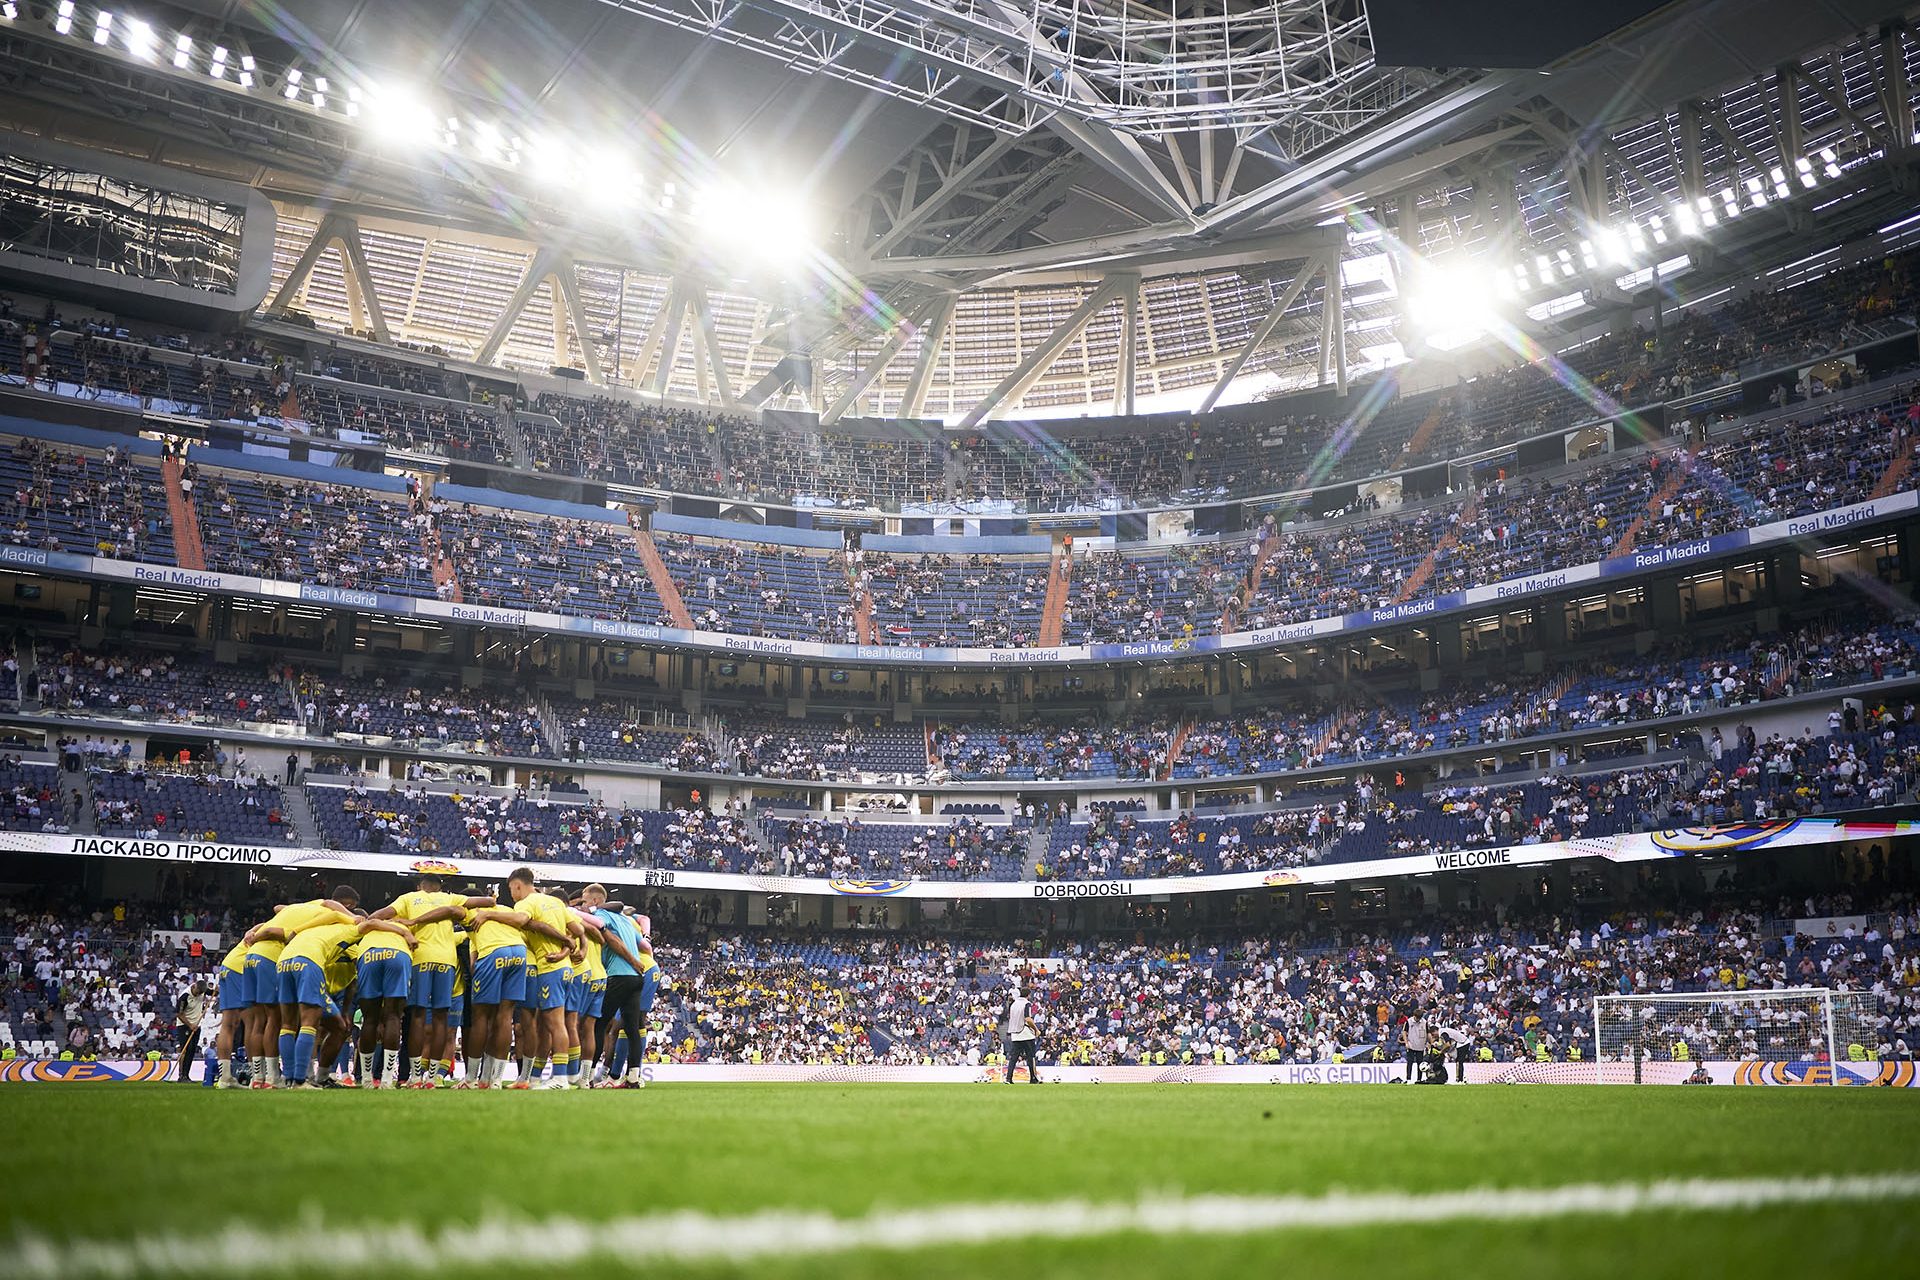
{"x":303,"y":1054}
{"x":619,"y":1056}
{"x":287,"y":1039}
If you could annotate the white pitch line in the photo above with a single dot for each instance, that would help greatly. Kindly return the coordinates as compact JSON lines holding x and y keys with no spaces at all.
{"x":692,"y":1236}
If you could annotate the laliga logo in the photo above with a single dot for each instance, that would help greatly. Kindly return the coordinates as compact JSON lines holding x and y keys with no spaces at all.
{"x":434,"y":867}
{"x":868,"y":888}
{"x":1731,"y":835}
{"x":1279,"y":878}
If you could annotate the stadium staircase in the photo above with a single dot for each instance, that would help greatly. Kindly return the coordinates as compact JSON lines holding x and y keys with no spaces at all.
{"x":551,"y":729}
{"x":26,"y":685}
{"x":1038,"y":839}
{"x":1417,"y":580}
{"x":1896,"y":470}
{"x":1053,"y":616}
{"x":516,"y":439}
{"x":298,"y":812}
{"x":663,"y":583}
{"x":446,"y":583}
{"x":188,"y":552}
{"x":1175,"y":747}
{"x":1662,"y":496}
{"x":1338,"y":723}
{"x":1423,"y":434}
{"x":864,"y":628}
{"x":1554,"y":692}
{"x":85,"y":822}
{"x":1237,"y":609}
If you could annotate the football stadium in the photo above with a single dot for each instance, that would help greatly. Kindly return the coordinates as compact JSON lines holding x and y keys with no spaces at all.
{"x":1330,"y":582}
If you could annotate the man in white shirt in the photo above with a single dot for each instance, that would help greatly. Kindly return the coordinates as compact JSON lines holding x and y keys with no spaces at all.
{"x":1017,"y":1028}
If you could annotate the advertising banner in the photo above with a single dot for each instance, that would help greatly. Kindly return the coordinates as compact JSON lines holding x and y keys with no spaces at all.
{"x":1895,"y":1075}
{"x":1632,"y":847}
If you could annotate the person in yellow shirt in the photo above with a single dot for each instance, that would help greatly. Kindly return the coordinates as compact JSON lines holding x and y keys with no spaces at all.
{"x":316,"y":968}
{"x":497,"y":951}
{"x":272,"y":1024}
{"x":236,"y":1002}
{"x":550,"y":930}
{"x":383,"y":966}
{"x":431,"y":913}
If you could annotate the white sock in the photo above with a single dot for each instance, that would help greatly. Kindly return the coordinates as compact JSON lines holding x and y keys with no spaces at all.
{"x":473,"y":1070}
{"x":525,"y":1071}
{"x":226,"y":1071}
{"x":366,"y":1069}
{"x":273,"y":1072}
{"x":390,"y":1065}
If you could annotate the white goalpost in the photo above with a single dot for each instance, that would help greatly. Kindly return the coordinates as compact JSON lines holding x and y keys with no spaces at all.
{"x":1659,"y":1039}
{"x":1791,"y":1024}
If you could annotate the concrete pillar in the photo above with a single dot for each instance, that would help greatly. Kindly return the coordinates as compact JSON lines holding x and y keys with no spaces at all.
{"x":1663,"y":606}
{"x":1784,"y":572}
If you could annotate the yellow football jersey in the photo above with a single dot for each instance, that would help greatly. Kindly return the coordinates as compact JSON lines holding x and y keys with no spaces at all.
{"x":301,"y":915}
{"x":436,"y":939}
{"x":543,"y":953}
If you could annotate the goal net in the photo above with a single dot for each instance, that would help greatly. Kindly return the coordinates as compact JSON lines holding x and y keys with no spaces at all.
{"x":1659,"y":1039}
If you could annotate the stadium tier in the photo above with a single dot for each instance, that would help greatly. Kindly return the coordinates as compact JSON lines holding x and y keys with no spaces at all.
{"x":96,"y":979}
{"x":367,"y":400}
{"x":348,"y":535}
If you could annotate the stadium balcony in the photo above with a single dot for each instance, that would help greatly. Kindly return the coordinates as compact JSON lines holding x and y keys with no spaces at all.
{"x":413,"y":820}
{"x":584,"y":568}
{"x":979,"y":601}
{"x":153,"y":804}
{"x":336,"y":534}
{"x":357,"y":414}
{"x":95,"y":502}
{"x":964,"y":848}
{"x":429,"y":714}
{"x":751,"y":588}
{"x":826,"y":748}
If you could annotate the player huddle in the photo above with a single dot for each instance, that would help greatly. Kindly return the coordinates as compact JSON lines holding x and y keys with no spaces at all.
{"x":534,"y":976}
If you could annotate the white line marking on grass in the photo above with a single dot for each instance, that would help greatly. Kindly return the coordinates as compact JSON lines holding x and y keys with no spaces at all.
{"x":692,"y":1236}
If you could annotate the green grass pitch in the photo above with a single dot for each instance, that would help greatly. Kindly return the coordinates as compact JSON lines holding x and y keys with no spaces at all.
{"x":113,"y":1163}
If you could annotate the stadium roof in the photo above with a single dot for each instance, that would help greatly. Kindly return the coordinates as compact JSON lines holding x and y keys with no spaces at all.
{"x":1118,"y":186}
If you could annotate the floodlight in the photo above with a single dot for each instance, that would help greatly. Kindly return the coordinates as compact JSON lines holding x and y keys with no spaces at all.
{"x":399,"y":118}
{"x":140,"y":39}
{"x":182,"y":51}
{"x":1453,"y":305}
